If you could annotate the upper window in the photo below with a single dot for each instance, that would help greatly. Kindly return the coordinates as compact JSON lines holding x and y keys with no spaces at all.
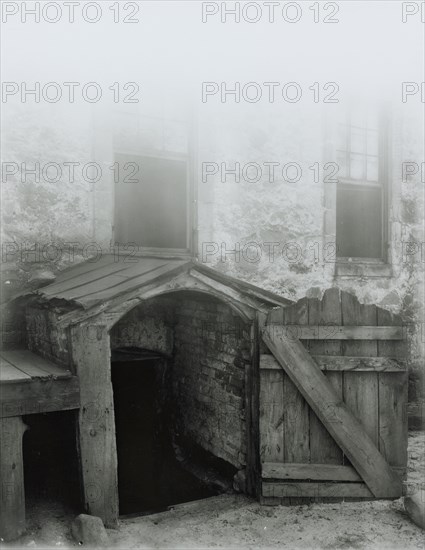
{"x":151,"y":202}
{"x":361,"y":190}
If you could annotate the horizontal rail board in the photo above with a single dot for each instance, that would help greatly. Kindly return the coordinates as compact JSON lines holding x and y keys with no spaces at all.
{"x":39,"y":396}
{"x":337,"y":332}
{"x":316,"y":472}
{"x":344,"y":363}
{"x":331,"y":490}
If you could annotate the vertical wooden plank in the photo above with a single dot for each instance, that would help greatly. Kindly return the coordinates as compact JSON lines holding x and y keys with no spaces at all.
{"x":90,"y":348}
{"x":12,"y":491}
{"x":296,"y":424}
{"x":361,"y":388}
{"x":252,"y":411}
{"x":390,"y":348}
{"x":325,"y":313}
{"x":296,"y":418}
{"x":271,"y":416}
{"x":392,"y":417}
{"x":392,"y":399}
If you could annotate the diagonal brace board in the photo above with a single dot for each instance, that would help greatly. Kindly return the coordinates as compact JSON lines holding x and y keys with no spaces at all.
{"x":333,"y":413}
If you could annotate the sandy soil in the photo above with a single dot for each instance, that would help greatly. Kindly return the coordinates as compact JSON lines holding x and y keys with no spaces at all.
{"x":234,"y":521}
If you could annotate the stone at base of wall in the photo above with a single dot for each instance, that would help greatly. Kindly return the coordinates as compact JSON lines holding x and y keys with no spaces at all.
{"x":415,"y":507}
{"x":89,"y":531}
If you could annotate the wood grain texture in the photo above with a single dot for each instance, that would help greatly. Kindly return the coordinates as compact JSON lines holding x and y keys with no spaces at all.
{"x":40,"y":396}
{"x":342,"y":363}
{"x":318,"y":472}
{"x":393,"y":417}
{"x":12,"y":509}
{"x":96,"y":423}
{"x":319,"y":490}
{"x":338,"y":332}
{"x":9,"y":373}
{"x":323,"y":448}
{"x":341,"y":424}
{"x":271,"y":417}
{"x":360,"y":388}
{"x":34,"y":365}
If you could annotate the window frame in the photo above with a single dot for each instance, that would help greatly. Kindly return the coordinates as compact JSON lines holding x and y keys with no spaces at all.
{"x":382,"y":183}
{"x":191,"y":200}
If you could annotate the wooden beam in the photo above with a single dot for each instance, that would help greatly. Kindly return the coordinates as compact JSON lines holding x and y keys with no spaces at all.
{"x":39,"y":396}
{"x":315,"y":472}
{"x":335,"y":416}
{"x":96,"y":422}
{"x":340,"y":332}
{"x":318,"y":490}
{"x":12,"y":492}
{"x":252,"y":410}
{"x":228,"y":292}
{"x":344,"y":363}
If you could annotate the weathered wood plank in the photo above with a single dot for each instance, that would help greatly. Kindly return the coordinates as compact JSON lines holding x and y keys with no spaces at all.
{"x":39,"y":396}
{"x":226,"y":290}
{"x":9,"y":373}
{"x":314,"y":489}
{"x":271,"y":417}
{"x":323,"y":448}
{"x":109,"y":277}
{"x":392,"y":401}
{"x":297,"y":411}
{"x":339,"y":332}
{"x":393,"y":418}
{"x":374,"y":364}
{"x":152,"y":277}
{"x":342,"y":363}
{"x":296,"y":425}
{"x":361,"y":389}
{"x":314,"y":472}
{"x":391,"y":348}
{"x":252,"y":410}
{"x":87,"y":273}
{"x":12,"y":492}
{"x":96,"y":423}
{"x":361,"y":397}
{"x":341,"y":424}
{"x":34,"y":365}
{"x":296,"y":417}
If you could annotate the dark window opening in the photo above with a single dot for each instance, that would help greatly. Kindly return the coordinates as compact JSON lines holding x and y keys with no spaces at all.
{"x":359,"y":222}
{"x":361,"y":214}
{"x":151,"y":201}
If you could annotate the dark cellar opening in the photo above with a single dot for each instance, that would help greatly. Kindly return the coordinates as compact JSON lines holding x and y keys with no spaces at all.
{"x":153,"y":470}
{"x":50,"y":459}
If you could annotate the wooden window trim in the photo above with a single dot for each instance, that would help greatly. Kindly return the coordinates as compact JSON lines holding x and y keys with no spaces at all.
{"x":383,"y":183}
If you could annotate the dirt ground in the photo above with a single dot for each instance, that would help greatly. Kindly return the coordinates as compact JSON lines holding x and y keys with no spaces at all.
{"x":234,"y":521}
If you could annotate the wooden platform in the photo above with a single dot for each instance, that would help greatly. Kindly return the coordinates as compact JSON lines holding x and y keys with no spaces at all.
{"x":30,"y":384}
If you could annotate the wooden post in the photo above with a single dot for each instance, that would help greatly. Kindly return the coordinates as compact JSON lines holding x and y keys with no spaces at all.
{"x":96,"y":423}
{"x":252,"y":405}
{"x":12,"y":507}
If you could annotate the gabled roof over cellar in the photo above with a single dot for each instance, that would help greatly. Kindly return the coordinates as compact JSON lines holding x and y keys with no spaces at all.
{"x":91,"y":284}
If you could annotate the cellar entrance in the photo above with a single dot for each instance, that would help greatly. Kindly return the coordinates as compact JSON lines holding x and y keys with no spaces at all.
{"x":150,"y":477}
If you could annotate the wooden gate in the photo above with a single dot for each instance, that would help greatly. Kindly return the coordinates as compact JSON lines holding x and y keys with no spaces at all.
{"x":333,"y":396}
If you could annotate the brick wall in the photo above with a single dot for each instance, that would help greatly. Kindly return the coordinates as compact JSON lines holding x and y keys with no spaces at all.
{"x":44,"y":336}
{"x":211,"y":354}
{"x":149,"y":326}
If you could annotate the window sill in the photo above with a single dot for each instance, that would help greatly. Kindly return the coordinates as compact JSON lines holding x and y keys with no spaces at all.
{"x":360,"y":267}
